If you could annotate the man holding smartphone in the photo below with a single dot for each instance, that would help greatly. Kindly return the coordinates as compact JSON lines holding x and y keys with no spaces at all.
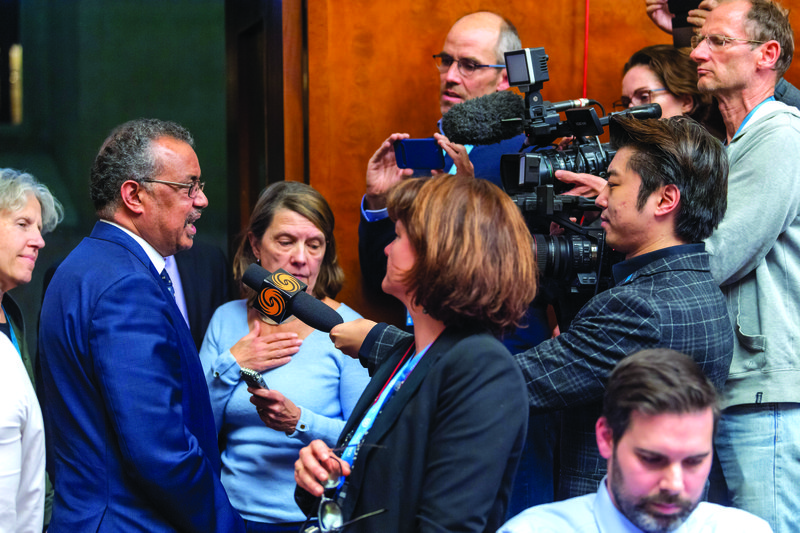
{"x":471,"y":64}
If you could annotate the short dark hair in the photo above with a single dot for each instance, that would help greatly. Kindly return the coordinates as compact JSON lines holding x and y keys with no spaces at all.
{"x":127,"y":154}
{"x":769,"y":21}
{"x":654,"y":382}
{"x":681,"y":152}
{"x":306,"y":202}
{"x":474,"y":263}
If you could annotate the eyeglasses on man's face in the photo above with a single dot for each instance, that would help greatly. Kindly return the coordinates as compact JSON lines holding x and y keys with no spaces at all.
{"x":195,"y":186}
{"x":640,"y":97}
{"x":466,"y":67}
{"x":717,"y":41}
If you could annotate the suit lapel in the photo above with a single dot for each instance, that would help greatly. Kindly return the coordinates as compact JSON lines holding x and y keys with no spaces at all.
{"x":107,"y":232}
{"x":393,"y":408}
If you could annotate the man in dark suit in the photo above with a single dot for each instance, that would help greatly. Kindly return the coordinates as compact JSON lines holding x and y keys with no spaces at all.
{"x":666,"y":192}
{"x":130,"y":427}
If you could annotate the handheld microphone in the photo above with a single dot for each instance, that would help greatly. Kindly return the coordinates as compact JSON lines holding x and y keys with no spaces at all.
{"x":281,"y":295}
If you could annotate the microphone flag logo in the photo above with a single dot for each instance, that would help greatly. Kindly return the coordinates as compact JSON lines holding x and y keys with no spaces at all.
{"x":277,"y":291}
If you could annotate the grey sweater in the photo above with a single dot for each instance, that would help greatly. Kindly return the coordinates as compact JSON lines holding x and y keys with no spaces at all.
{"x":755,"y":256}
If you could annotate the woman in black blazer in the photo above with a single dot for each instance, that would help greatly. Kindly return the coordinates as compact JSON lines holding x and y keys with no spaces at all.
{"x":434,"y":441}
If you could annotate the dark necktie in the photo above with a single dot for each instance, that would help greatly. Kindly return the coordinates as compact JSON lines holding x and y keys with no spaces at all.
{"x":168,"y":281}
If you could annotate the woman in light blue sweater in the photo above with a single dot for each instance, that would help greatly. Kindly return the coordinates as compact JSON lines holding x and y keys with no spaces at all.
{"x":313,"y":386}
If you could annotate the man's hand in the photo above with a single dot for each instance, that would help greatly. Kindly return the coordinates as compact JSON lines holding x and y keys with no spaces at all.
{"x":383,"y":172}
{"x":265,"y":353}
{"x":312,"y":468}
{"x":658,"y":11}
{"x":275,"y":410}
{"x":459,"y":155}
{"x":585,"y":185}
{"x":349,"y":336}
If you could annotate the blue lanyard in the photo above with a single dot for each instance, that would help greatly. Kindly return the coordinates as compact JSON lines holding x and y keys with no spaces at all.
{"x":11,"y":329}
{"x":750,"y":114}
{"x":392,"y":386}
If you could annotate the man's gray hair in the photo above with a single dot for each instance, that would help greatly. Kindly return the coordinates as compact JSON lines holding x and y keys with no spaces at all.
{"x":127,"y":155}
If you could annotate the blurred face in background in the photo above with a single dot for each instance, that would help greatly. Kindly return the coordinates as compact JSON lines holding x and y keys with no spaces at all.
{"x":641,"y":85}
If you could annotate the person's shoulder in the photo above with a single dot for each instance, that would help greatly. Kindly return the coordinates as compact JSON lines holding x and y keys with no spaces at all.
{"x":480,"y":353}
{"x":347,"y":313}
{"x":713,"y":517}
{"x":777,"y":118}
{"x":573,"y":515}
{"x":234,"y":308}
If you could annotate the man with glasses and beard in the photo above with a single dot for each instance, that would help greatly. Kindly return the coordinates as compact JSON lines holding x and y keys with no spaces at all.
{"x":659,"y":416}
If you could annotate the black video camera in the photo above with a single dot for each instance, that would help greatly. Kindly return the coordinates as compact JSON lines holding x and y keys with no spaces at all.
{"x":577,"y":262}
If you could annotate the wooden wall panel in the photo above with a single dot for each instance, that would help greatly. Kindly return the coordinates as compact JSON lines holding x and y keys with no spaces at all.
{"x":371,"y":74}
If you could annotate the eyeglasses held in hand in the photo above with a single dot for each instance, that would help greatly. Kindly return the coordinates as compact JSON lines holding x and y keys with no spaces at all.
{"x":195,"y":186}
{"x":640,"y":97}
{"x":329,"y":515}
{"x":466,"y":67}
{"x":716,"y":41}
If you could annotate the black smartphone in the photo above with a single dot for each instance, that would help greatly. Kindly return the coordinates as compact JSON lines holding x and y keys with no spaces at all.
{"x":253,"y":378}
{"x":422,"y":154}
{"x":682,"y":31}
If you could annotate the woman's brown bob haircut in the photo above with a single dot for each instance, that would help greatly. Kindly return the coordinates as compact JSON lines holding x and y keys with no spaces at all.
{"x":474,"y":264}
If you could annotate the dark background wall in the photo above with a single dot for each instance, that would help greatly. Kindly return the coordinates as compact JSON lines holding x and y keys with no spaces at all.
{"x":90,"y":65}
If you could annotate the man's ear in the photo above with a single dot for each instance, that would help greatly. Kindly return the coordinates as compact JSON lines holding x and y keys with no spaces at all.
{"x":502,"y":83}
{"x":132,"y":192}
{"x":670,"y":199}
{"x":770,"y":52}
{"x":605,"y":437}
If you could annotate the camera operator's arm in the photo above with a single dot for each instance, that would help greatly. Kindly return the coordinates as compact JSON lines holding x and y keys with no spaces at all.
{"x":658,"y":11}
{"x":383,"y":173}
{"x":458,"y":153}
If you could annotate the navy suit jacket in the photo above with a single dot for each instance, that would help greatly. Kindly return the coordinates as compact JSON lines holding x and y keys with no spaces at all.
{"x":130,"y":427}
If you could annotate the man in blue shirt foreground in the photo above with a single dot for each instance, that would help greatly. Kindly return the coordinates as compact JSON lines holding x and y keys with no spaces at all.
{"x":656,"y":432}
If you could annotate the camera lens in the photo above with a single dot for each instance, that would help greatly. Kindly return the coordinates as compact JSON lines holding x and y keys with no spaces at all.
{"x":563,"y":255}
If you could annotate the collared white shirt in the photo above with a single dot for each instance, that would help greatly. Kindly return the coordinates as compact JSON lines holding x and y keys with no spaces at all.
{"x":156,"y":258}
{"x":596,"y":513}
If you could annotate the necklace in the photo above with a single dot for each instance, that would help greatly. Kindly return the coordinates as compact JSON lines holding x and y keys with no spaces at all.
{"x":267,"y":320}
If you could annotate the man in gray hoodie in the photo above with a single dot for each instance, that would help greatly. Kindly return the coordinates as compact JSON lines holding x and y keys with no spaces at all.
{"x":743,"y":48}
